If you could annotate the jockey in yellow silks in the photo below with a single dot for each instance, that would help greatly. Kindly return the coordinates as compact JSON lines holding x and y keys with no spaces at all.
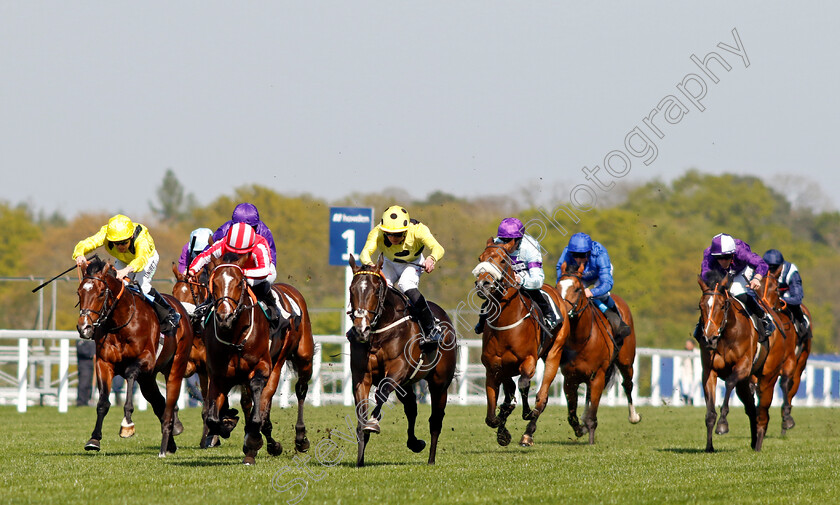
{"x":403,"y":242}
{"x":133,"y":247}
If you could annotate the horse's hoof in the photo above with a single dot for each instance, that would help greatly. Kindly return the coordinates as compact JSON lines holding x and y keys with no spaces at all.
{"x":787,"y":423}
{"x":127,"y":431}
{"x":635,"y":419}
{"x":527,"y":415}
{"x":371,"y":426}
{"x":503,"y":437}
{"x":493,"y":423}
{"x":416,"y":445}
{"x":302,"y":445}
{"x":92,"y":445}
{"x":526,"y":441}
{"x":177,"y":428}
{"x":722,"y":429}
{"x":249,"y":460}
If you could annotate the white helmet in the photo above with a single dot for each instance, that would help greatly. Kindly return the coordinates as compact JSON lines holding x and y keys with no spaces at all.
{"x":200,"y":239}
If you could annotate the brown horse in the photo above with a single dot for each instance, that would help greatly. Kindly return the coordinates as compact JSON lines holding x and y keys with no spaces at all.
{"x":128,"y":343}
{"x":796,"y":351}
{"x":513,"y":340}
{"x":730,"y":350}
{"x":590,"y":355}
{"x":384,"y":352}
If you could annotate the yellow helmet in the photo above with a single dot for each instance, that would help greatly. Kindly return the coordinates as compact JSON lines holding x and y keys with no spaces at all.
{"x":394,"y":220}
{"x":119,"y":228}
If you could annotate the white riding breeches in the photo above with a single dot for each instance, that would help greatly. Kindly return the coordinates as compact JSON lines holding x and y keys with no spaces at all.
{"x":741,"y":283}
{"x":404,"y":275}
{"x":143,"y":278}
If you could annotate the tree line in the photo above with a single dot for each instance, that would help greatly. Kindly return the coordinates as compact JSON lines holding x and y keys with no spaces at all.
{"x":655,"y":234}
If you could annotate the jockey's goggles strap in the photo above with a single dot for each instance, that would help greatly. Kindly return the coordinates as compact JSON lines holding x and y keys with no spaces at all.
{"x":487,"y":267}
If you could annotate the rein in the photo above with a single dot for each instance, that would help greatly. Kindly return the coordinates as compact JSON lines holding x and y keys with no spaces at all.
{"x":380,"y":303}
{"x":239,"y":306}
{"x":726,"y":305}
{"x":501,"y":282}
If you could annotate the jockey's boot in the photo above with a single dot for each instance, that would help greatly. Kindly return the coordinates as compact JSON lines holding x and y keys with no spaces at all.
{"x":549,"y":319}
{"x":268,"y":299}
{"x":763,"y":321}
{"x":482,"y":318}
{"x":620,"y":328}
{"x":698,"y":333}
{"x":167,"y":315}
{"x":420,"y":308}
{"x":800,"y":323}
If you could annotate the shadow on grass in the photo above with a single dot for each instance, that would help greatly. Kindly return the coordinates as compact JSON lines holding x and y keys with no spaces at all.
{"x":690,"y":450}
{"x":351,"y":464}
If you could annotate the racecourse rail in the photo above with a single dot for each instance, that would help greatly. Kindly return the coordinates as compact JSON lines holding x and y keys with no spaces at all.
{"x":41,"y":353}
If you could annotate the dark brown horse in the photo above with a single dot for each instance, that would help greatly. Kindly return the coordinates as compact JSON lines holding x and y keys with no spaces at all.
{"x":385,"y":353}
{"x":129,"y":343}
{"x":730,"y":350}
{"x":590,"y":356}
{"x":796,"y":351}
{"x":513,"y":340}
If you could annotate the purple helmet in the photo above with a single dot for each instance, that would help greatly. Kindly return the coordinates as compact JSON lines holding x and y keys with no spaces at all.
{"x":246,"y":213}
{"x":580,"y":243}
{"x":510,"y":227}
{"x":722,"y":244}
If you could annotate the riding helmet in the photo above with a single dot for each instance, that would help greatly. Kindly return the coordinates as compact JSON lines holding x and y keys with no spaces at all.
{"x":722,"y":244}
{"x":510,"y":227}
{"x":241,"y":238}
{"x":119,"y":228}
{"x":580,"y":243}
{"x":394,"y":220}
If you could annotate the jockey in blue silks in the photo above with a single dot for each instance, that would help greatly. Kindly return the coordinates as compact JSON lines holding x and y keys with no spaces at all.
{"x":526,"y":261}
{"x":598,"y":271}
{"x":790,"y":286}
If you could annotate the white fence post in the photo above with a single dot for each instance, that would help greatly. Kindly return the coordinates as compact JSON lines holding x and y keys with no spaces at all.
{"x":827,"y":386}
{"x":63,"y":372}
{"x":463,"y":381}
{"x":655,"y":369}
{"x":317,"y":385}
{"x":23,"y":383}
{"x":347,"y":382}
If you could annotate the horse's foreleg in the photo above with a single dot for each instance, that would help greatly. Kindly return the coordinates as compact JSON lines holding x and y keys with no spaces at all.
{"x":127,"y":425}
{"x":253,"y":424}
{"x":304,"y":370}
{"x":709,"y":388}
{"x":505,"y":409}
{"x":787,"y":420}
{"x":491,"y":386}
{"x":383,"y":391}
{"x":744,"y":391}
{"x":273,"y":447}
{"x":526,"y":373}
{"x":104,"y":376}
{"x":552,"y":363}
{"x":627,"y":384}
{"x":409,"y":401}
{"x":723,"y":423}
{"x":361,"y":390}
{"x":438,"y":394}
{"x":570,"y":389}
{"x":765,"y":397}
{"x":590,"y":419}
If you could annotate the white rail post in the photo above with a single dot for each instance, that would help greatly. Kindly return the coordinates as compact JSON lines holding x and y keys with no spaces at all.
{"x":285,"y":385}
{"x":699,"y":388}
{"x":827,"y":386}
{"x":810,"y":374}
{"x":347,"y":382}
{"x":317,"y":386}
{"x":182,"y":394}
{"x":463,"y":365}
{"x":23,"y":363}
{"x":656,"y":364}
{"x":63,"y":372}
{"x":635,"y":394}
{"x":676,"y":387}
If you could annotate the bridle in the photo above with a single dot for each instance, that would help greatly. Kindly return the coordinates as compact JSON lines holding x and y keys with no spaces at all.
{"x":239,"y":305}
{"x":714,"y":293}
{"x":359,"y":313}
{"x":106,"y":311}
{"x":502,"y":281}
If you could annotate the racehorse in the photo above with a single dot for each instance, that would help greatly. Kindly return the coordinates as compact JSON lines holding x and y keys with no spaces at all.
{"x":730,"y":350}
{"x":128,"y":343}
{"x":240,"y":351}
{"x":590,"y":355}
{"x":513,"y":340}
{"x":384,"y":352}
{"x":796,"y":350}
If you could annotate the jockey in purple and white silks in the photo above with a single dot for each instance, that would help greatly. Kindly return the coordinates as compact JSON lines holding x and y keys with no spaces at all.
{"x":597,"y":271}
{"x":734,"y":257}
{"x":790,"y":286}
{"x":526,"y":261}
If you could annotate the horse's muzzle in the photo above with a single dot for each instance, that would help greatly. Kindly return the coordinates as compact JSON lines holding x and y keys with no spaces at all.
{"x":482,"y":289}
{"x":85,"y":331}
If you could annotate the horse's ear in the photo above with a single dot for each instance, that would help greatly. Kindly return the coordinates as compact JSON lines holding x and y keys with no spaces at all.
{"x":178,"y":275}
{"x":380,"y":262}
{"x":563,"y":268}
{"x":489,"y":242}
{"x":352,"y":263}
{"x":726,"y":280}
{"x":580,"y":268}
{"x":702,"y":283}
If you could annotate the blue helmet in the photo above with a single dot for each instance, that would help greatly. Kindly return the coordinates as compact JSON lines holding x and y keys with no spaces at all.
{"x":773,"y":257}
{"x":580,"y":243}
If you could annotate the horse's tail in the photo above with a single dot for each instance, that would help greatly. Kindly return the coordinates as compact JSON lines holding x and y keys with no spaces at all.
{"x":611,"y":376}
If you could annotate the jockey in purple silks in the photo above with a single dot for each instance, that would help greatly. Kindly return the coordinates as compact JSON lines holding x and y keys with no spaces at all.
{"x":247,"y":213}
{"x":734,"y":257}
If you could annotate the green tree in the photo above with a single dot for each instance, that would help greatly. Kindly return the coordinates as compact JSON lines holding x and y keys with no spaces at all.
{"x":173,"y":205}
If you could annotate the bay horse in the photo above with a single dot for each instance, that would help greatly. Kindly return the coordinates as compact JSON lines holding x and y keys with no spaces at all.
{"x":730,"y":349}
{"x":240,"y":351}
{"x":384,"y":353}
{"x":126,"y":330}
{"x":513,"y":340}
{"x":796,"y":350}
{"x":590,"y":355}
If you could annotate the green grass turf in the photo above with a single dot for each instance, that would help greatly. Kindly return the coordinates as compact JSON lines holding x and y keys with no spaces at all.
{"x":660,"y":460}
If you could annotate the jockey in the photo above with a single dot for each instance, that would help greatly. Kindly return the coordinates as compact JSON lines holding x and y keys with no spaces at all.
{"x":200,"y":239}
{"x":734,"y":257}
{"x":402,"y":241}
{"x":598,"y":269}
{"x":247,"y":213}
{"x":133,"y":247}
{"x":259,"y":270}
{"x":526,"y":262}
{"x":790,"y":285}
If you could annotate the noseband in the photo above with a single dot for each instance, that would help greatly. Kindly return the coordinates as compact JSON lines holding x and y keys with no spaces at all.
{"x":726,"y":304}
{"x":501,"y":276}
{"x":238,"y":305}
{"x":380,"y":299}
{"x":574,"y":311}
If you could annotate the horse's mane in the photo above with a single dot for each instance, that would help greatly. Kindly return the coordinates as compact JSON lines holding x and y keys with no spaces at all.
{"x":231,"y":257}
{"x":713,"y":277}
{"x":95,"y":266}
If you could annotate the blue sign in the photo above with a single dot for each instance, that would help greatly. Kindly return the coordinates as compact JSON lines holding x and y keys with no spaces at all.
{"x":349,"y":228}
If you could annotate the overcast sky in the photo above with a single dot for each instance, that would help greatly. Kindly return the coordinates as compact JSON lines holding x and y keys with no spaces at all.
{"x":99,"y":99}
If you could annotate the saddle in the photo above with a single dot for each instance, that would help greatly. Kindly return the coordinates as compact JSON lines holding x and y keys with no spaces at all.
{"x":546,"y":337}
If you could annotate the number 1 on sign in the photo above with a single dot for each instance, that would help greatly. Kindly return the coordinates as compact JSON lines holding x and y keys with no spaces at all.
{"x":350,"y":236}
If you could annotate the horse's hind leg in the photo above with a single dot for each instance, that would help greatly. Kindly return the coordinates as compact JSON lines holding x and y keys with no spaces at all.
{"x":438,"y":394}
{"x":785,"y":383}
{"x":104,"y":376}
{"x":409,"y":401}
{"x":301,"y":388}
{"x":272,"y":447}
{"x":594,"y":391}
{"x":744,"y":391}
{"x":526,"y":373}
{"x":765,"y":397}
{"x":627,"y":384}
{"x":127,"y":425}
{"x":570,"y":388}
